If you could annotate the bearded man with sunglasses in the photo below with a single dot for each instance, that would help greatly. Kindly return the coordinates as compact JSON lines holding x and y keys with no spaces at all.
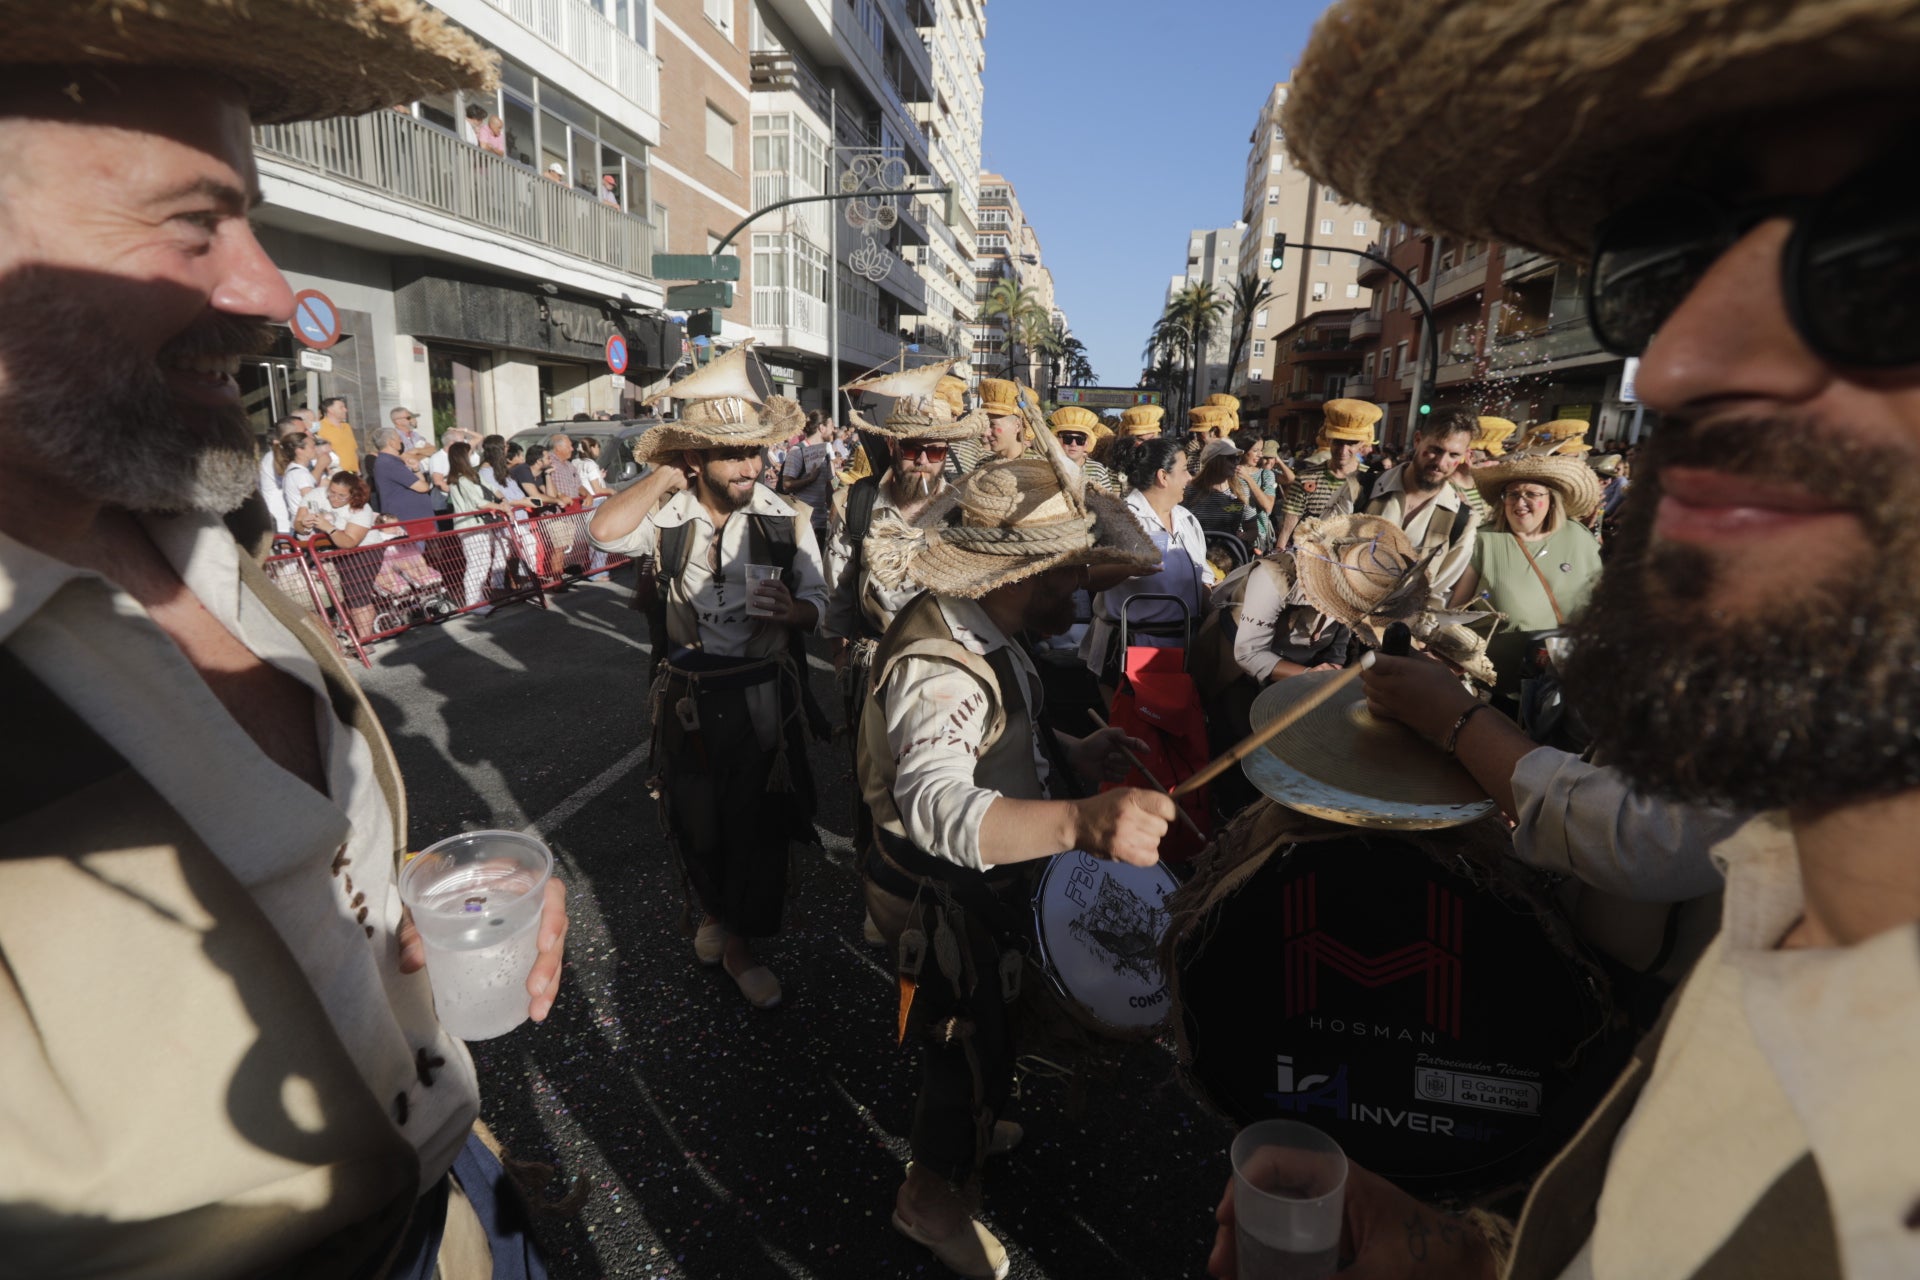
{"x":1741,"y":180}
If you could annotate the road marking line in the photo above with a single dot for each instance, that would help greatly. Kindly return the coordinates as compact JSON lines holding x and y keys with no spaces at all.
{"x":544,"y":824}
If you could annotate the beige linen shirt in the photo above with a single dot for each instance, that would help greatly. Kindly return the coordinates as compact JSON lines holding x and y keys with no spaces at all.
{"x":865,"y":599}
{"x":1772,"y":1054}
{"x":96,"y":649}
{"x":937,"y":725}
{"x":1389,"y":501}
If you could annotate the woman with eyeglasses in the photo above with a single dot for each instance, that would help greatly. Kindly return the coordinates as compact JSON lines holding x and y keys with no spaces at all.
{"x":1533,"y":560}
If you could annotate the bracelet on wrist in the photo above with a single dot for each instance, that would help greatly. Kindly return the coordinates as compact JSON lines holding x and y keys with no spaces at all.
{"x":1453,"y":735}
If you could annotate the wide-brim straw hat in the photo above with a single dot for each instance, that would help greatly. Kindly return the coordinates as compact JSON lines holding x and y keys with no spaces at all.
{"x":1464,"y":648}
{"x":928,"y":418}
{"x":1357,"y":569}
{"x":1572,"y":479}
{"x":1529,"y":121}
{"x":1349,"y":420}
{"x":720,"y":409}
{"x":1003,"y":523}
{"x":292,"y":59}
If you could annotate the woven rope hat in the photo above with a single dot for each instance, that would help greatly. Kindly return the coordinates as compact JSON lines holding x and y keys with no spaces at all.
{"x":293,"y":59}
{"x":720,"y":410}
{"x":1359,"y":568}
{"x":1490,"y":436}
{"x":1529,"y":121}
{"x":1015,"y":519}
{"x":1142,"y":420}
{"x":1349,"y":420}
{"x":928,"y":418}
{"x":1572,"y":479}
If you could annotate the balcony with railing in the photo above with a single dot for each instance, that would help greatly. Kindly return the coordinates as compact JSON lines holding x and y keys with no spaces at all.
{"x":1360,"y":388}
{"x":778,"y":70}
{"x":1566,"y":342}
{"x":1521,"y":262}
{"x":789,"y":317}
{"x":1335,"y":347}
{"x":581,"y":33}
{"x":1369,"y":270}
{"x":410,"y":161}
{"x":1458,"y":281}
{"x":1364,"y":326}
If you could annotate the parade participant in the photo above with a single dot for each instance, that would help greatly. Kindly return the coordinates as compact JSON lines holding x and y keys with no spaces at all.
{"x":1142,"y":421}
{"x":734,"y":784}
{"x":1417,"y":495}
{"x":1155,"y":469}
{"x":222,"y":1056}
{"x":1489,"y":443}
{"x":1534,"y":561}
{"x":962,"y":772}
{"x":1751,"y":642}
{"x":1007,"y":432}
{"x":1347,"y":428}
{"x":1077,"y":429}
{"x":1229,"y":407}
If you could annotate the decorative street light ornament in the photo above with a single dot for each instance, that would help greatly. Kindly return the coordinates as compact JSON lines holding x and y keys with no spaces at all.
{"x":872,"y":171}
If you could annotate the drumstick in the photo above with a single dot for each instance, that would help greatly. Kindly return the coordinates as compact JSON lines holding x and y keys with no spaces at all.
{"x":1261,"y":736}
{"x":1147,"y":773}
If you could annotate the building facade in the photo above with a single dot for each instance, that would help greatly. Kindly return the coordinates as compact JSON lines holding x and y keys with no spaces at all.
{"x":476,"y":268}
{"x":1278,"y":198}
{"x":1213,"y":262}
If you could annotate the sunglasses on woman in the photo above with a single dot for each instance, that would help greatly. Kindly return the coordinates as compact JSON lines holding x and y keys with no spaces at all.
{"x":1850,"y":271}
{"x":1070,"y":439}
{"x":931,"y":452}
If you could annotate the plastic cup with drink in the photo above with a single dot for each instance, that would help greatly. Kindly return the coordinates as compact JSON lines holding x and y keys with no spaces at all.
{"x":758,"y":575}
{"x":1289,"y":1187}
{"x":476,"y":900}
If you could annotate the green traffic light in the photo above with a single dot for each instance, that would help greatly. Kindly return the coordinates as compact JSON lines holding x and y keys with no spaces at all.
{"x":1426,"y":409}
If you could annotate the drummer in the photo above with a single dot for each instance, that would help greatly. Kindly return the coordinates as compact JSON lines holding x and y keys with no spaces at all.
{"x":1155,"y":469}
{"x":960,"y":768}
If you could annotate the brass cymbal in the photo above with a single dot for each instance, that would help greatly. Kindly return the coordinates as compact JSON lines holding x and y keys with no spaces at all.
{"x":1341,"y":763}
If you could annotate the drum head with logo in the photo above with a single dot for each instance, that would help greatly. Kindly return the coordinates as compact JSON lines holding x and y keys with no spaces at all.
{"x":1426,"y":1020}
{"x":1099,"y":926}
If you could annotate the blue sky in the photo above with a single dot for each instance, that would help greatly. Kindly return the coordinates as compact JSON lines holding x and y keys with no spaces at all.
{"x":1123,"y":125}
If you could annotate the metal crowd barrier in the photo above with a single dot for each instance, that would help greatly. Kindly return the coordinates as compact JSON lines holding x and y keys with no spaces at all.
{"x":428,"y":574}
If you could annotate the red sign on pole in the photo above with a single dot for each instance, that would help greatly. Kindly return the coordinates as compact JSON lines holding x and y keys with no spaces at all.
{"x":617,"y":353}
{"x":316,"y":321}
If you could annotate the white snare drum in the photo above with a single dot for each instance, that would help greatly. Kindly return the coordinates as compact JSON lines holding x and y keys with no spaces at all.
{"x":1099,"y":926}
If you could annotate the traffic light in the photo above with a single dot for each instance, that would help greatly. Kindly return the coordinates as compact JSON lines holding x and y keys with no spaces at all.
{"x":703,"y":324}
{"x":1278,"y":258}
{"x":1425,"y":409}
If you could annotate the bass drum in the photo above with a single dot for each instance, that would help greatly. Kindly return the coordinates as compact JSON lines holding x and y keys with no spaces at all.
{"x":1098,"y":928}
{"x":1415,"y":995}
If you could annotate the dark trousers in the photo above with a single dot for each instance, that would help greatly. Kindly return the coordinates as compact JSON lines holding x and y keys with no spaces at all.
{"x":730,"y":831}
{"x":963,"y":1027}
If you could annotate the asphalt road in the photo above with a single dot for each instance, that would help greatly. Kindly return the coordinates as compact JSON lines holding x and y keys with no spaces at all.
{"x":701,"y":1137}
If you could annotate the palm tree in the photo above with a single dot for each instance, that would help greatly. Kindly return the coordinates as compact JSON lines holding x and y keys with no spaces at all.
{"x":1166,"y":352}
{"x":1202,"y":310}
{"x":1079,"y":368}
{"x":1015,"y":306}
{"x":1250,"y":293}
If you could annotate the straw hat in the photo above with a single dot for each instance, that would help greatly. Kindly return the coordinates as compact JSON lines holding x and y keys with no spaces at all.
{"x":348,"y":56}
{"x":1571,"y":478}
{"x":1142,"y":420}
{"x":1072,"y":417}
{"x":1268,"y":449}
{"x":720,"y":410}
{"x":1490,"y":436}
{"x":923,"y":418}
{"x":998,"y":397}
{"x":1529,"y":121}
{"x":1016,"y":519}
{"x":1606,"y":466}
{"x":1231,"y":404}
{"x":1562,"y":435}
{"x":1349,"y":420}
{"x":954,"y":391}
{"x":1207,"y":420}
{"x":1464,"y":648}
{"x":1359,"y":568}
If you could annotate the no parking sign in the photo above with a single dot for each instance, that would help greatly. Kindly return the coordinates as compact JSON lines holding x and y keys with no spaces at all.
{"x":316,"y":321}
{"x":617,"y":353}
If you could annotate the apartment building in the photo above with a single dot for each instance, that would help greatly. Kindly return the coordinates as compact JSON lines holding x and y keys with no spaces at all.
{"x":1213,"y":262}
{"x":1009,"y":249}
{"x":837,"y":92}
{"x":1317,"y":221}
{"x":477,"y":275}
{"x":952,"y":121}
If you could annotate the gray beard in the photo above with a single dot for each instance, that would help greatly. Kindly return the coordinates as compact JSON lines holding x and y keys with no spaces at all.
{"x":112,"y":431}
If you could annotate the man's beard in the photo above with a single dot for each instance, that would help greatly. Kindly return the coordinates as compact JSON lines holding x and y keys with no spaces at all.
{"x":720,"y":493}
{"x":915,"y":488}
{"x":77,"y":407}
{"x":1812,"y":701}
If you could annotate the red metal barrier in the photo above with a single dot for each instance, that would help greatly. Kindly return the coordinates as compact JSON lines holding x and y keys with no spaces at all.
{"x":558,"y":545}
{"x":292,"y":573}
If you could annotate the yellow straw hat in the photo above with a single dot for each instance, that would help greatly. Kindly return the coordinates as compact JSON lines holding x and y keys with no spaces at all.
{"x":292,"y":59}
{"x":1562,"y":435}
{"x":1142,"y":420}
{"x":998,"y":397}
{"x":1490,"y":436}
{"x":1351,"y":567}
{"x":1572,"y":479}
{"x":1072,"y":417}
{"x":1230,"y":404}
{"x":954,"y":391}
{"x":1349,"y":420}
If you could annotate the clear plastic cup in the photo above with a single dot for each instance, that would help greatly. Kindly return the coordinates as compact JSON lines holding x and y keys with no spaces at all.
{"x":476,"y":900}
{"x":1289,"y":1187}
{"x":757,"y":574}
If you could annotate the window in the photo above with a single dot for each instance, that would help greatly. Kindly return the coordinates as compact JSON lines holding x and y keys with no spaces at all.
{"x":1276,"y":162}
{"x":1319,"y":290}
{"x":1278,"y":134}
{"x":1359,"y":226}
{"x":1413,"y":275}
{"x":1323,"y":257}
{"x":1327,"y":196}
{"x":1326,"y":226}
{"x":660,"y":226}
{"x":1256,"y":375}
{"x":1260,"y":318}
{"x":1353,"y":291}
{"x":720,"y":14}
{"x":992,"y":242}
{"x":1386,"y":364}
{"x":1259,"y":348}
{"x":1393,"y":295}
{"x":1273,"y":195}
{"x":719,"y":137}
{"x":1403,"y":358}
{"x":1366,"y":366}
{"x":1273,"y":225}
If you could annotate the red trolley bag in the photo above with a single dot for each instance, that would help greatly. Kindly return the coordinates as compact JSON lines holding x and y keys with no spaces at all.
{"x":1157,"y":702}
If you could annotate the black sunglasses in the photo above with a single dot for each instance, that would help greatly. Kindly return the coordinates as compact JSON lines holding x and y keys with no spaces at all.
{"x":920,"y":449}
{"x":1070,"y":439}
{"x":1850,"y":271}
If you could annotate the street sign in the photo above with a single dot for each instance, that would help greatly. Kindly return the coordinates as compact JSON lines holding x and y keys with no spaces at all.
{"x":697,"y":297}
{"x":617,"y":353}
{"x":696,"y":266}
{"x":618,"y":382}
{"x":1630,"y":380}
{"x":316,"y":321}
{"x":318,"y":361}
